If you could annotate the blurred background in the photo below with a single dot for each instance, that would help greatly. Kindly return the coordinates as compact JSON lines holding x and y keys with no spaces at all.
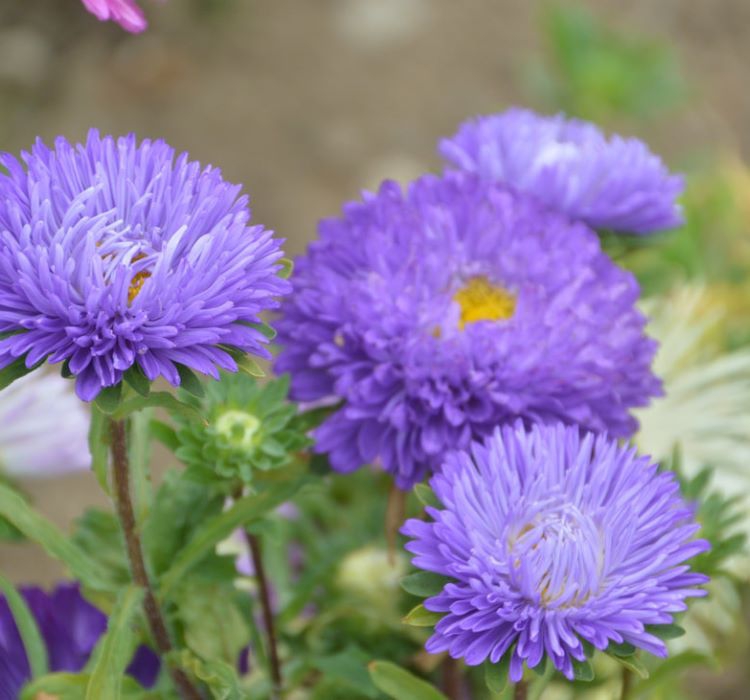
{"x":307,"y":103}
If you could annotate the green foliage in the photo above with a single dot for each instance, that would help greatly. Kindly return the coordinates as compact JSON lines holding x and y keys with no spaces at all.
{"x":116,"y":647}
{"x":599,"y":74}
{"x":423,"y":583}
{"x":43,"y":532}
{"x":248,"y":428}
{"x":220,"y":677}
{"x":33,"y":644}
{"x":15,"y":370}
{"x":400,"y":684}
{"x":97,"y":533}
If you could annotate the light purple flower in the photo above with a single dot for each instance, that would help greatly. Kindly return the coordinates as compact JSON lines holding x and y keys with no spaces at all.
{"x":570,"y":165}
{"x":115,"y":255}
{"x":125,"y":12}
{"x":551,"y":539}
{"x":434,"y":315}
{"x":43,"y":427}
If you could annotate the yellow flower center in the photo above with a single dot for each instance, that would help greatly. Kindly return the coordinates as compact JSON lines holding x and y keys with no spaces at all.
{"x":139,"y":278}
{"x":480,"y":300}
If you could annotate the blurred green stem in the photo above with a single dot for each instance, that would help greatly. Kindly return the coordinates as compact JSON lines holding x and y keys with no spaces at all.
{"x":627,"y":682}
{"x":123,"y":498}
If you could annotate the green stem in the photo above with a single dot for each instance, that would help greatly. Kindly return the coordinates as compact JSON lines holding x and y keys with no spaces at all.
{"x":126,"y":514}
{"x":627,"y":683}
{"x":520,"y":692}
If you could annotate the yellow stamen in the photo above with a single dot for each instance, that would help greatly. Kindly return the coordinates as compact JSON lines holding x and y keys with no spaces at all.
{"x":139,"y":278}
{"x":480,"y":300}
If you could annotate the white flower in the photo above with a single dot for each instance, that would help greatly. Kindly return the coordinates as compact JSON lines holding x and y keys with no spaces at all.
{"x":43,"y":427}
{"x":706,"y":409}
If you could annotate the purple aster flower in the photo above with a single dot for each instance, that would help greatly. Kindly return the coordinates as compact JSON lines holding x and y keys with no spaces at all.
{"x":437,"y":314}
{"x":43,"y":428}
{"x":115,"y":255}
{"x":71,"y":628}
{"x":125,"y":12}
{"x":551,"y":539}
{"x":571,"y":166}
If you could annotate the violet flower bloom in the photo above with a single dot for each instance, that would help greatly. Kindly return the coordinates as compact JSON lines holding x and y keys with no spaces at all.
{"x":43,"y":428}
{"x":436,"y":314}
{"x":551,"y":539}
{"x":117,"y":256}
{"x":70,"y":627}
{"x":125,"y":12}
{"x":570,"y":165}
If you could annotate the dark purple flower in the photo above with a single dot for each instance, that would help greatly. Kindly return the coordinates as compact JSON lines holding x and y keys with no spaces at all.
{"x":70,"y":627}
{"x":614,"y":183}
{"x":115,"y":254}
{"x":437,"y":314}
{"x":551,"y":539}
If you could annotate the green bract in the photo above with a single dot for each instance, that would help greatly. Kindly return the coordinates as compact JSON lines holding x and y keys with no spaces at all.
{"x":249,"y":427}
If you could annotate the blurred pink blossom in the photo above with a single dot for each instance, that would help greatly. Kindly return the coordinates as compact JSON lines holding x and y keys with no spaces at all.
{"x":125,"y":12}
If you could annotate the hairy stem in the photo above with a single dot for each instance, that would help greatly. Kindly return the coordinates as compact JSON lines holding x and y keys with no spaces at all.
{"x":452,"y":679}
{"x":627,"y":682}
{"x":126,"y":514}
{"x":520,"y":691}
{"x":253,"y":544}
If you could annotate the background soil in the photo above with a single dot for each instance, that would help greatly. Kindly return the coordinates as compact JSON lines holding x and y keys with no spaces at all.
{"x":307,"y":102}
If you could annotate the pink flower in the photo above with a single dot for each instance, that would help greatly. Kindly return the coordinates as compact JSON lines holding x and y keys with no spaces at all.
{"x":125,"y":12}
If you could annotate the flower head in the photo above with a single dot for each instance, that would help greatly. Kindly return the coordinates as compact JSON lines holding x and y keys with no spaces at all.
{"x":125,"y":12}
{"x":70,"y":627}
{"x":436,"y":314}
{"x":571,"y":166}
{"x":248,"y":427}
{"x":117,"y":255}
{"x":551,"y":539}
{"x":43,"y":428}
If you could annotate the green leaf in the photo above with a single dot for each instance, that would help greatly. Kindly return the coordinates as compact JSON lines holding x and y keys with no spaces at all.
{"x":109,"y":398}
{"x":621,"y":650}
{"x":248,"y":365}
{"x":287,"y":267}
{"x":189,"y":381}
{"x":15,"y":370}
{"x":420,"y":616}
{"x":98,"y":534}
{"x":496,"y":675}
{"x":179,"y":508}
{"x":36,"y":651}
{"x":583,"y":670}
{"x":220,"y":677}
{"x":426,"y":495}
{"x":38,"y":529}
{"x":72,"y":686}
{"x":243,"y":512}
{"x":400,"y":684}
{"x":115,"y":649}
{"x":349,"y":667}
{"x":665,"y":632}
{"x":214,"y":626}
{"x":423,"y":583}
{"x":135,"y":378}
{"x":165,"y":434}
{"x":157,"y":399}
{"x":99,"y":446}
{"x":632,"y":663}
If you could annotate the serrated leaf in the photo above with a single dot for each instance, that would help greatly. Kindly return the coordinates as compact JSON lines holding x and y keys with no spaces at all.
{"x":583,"y":671}
{"x":420,"y":616}
{"x":423,"y":583}
{"x":33,"y":644}
{"x":15,"y":370}
{"x":115,"y":649}
{"x":109,"y":398}
{"x":426,"y":496}
{"x":99,"y":446}
{"x":135,"y":378}
{"x":190,"y":382}
{"x":400,"y":684}
{"x":243,"y":512}
{"x":40,"y":530}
